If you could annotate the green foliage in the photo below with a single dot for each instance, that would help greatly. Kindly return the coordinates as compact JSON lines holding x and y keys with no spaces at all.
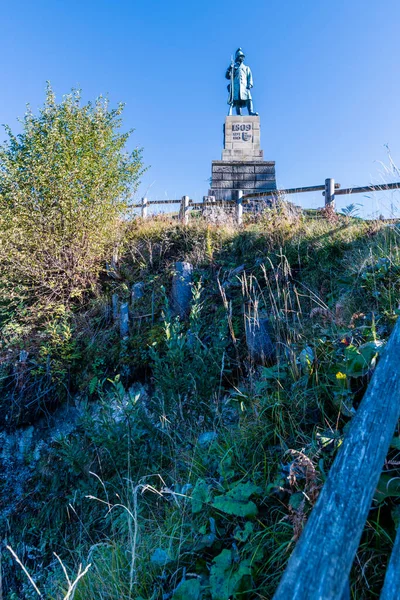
{"x":358,"y":360}
{"x":186,"y":368}
{"x":201,"y":495}
{"x":64,"y":183}
{"x":228,"y":575}
{"x":196,"y":482}
{"x":188,"y":590}
{"x":237,"y":500}
{"x":352,"y":210}
{"x":58,"y":352}
{"x":388,"y":486}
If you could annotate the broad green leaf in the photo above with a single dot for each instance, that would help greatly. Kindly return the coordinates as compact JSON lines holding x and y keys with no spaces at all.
{"x":206,"y":541}
{"x":359,"y":360}
{"x":296,"y":500}
{"x":160,"y":557}
{"x":201,"y":495}
{"x":395,"y":443}
{"x":242,"y":535}
{"x":236,"y":501}
{"x":225,"y":468}
{"x":328,"y":440}
{"x":188,"y":590}
{"x":227,"y":575}
{"x":388,"y":487}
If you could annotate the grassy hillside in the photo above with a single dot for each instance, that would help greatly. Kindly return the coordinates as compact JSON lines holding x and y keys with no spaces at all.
{"x":169,"y":461}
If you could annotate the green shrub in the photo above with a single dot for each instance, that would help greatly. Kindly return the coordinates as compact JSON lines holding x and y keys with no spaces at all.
{"x":64,"y":184}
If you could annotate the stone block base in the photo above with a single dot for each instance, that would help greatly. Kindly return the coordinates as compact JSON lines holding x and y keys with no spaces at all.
{"x":249,"y":176}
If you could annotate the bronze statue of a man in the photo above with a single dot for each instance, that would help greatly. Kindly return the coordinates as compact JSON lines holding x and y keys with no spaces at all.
{"x":241,"y":82}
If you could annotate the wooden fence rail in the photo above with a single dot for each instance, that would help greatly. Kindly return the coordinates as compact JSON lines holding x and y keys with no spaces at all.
{"x":369,"y":188}
{"x":320,"y":564}
{"x":330,"y":190}
{"x":284,"y":192}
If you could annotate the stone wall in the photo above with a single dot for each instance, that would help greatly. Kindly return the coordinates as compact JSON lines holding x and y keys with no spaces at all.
{"x":242,"y":166}
{"x":227,"y":177}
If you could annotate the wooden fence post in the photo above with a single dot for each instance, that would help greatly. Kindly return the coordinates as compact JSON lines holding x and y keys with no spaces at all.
{"x":184,"y":212}
{"x":330,"y":193}
{"x":144,"y":208}
{"x":239,"y":207}
{"x":391,"y":587}
{"x":321,"y":561}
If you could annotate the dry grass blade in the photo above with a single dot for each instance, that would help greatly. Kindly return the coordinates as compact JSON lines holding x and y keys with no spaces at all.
{"x":35,"y":587}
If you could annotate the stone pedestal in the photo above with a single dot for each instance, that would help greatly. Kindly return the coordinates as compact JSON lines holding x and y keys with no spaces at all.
{"x":242,"y":166}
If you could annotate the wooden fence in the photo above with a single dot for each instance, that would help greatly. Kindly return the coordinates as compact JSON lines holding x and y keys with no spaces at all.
{"x":320,"y":564}
{"x":329,"y":190}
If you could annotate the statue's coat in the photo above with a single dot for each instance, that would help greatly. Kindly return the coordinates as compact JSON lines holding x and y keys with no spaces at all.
{"x":242,"y":82}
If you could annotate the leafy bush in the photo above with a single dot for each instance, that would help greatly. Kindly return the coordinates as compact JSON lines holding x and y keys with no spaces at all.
{"x":64,"y":184}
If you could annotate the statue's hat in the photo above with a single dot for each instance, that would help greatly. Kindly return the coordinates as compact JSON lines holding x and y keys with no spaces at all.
{"x":239,"y":52}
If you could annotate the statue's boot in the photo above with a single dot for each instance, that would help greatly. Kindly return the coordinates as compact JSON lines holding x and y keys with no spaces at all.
{"x":239,"y":111}
{"x":250,"y":109}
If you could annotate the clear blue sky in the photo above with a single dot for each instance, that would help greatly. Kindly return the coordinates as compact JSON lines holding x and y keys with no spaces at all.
{"x":326,"y":81}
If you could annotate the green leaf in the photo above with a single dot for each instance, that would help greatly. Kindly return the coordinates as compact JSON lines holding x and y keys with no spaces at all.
{"x":226,"y":576}
{"x":93,"y":384}
{"x":201,"y":495}
{"x":395,"y":443}
{"x":206,"y":541}
{"x":225,"y":468}
{"x":242,"y":535}
{"x":388,"y":487}
{"x":359,"y":360}
{"x":188,"y":590}
{"x":328,"y":440}
{"x":160,"y":557}
{"x":236,"y":501}
{"x":276,"y":372}
{"x":296,"y":500}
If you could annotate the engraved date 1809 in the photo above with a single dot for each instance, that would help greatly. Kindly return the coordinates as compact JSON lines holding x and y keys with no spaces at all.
{"x":241,"y":126}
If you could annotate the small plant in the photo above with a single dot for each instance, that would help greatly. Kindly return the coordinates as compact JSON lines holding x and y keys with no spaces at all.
{"x":352,"y":210}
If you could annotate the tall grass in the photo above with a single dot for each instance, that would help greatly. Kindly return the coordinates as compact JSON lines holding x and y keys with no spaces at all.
{"x":207,"y":469}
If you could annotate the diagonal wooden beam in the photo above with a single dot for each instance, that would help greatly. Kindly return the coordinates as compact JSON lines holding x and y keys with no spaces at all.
{"x":320,"y":564}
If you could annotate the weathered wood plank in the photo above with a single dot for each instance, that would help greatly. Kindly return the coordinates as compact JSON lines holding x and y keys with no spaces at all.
{"x":346,"y":592}
{"x":391,"y":587}
{"x":311,"y":188}
{"x":330,"y":193}
{"x":239,"y":207}
{"x":151,"y":202}
{"x":145,"y":204}
{"x":321,"y":561}
{"x":184,"y":210}
{"x":369,"y":188}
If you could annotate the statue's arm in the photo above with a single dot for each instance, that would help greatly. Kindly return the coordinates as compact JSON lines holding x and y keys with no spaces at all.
{"x":228,"y":72}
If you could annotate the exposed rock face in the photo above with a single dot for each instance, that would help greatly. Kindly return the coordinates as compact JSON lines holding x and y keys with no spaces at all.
{"x":181,"y":294}
{"x":124,"y":320}
{"x":137,"y":291}
{"x":259,"y":342}
{"x":21,"y":450}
